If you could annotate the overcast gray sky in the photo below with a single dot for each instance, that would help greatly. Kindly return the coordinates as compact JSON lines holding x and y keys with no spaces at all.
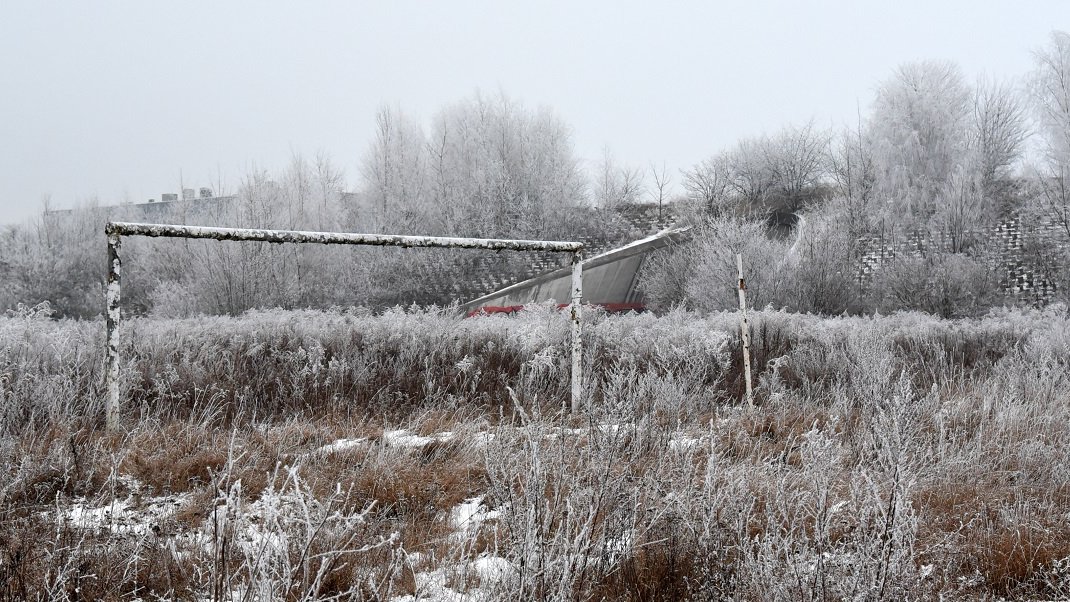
{"x":117,"y":99}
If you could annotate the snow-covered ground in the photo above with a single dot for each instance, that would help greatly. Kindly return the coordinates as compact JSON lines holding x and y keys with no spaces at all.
{"x":462,"y":577}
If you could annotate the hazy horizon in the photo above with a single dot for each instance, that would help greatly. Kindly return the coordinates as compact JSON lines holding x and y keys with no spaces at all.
{"x":120,"y":101}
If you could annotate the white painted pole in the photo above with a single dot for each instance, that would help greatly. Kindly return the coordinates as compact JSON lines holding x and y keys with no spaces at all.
{"x":577,"y":332}
{"x":744,"y":329}
{"x":112,"y":295}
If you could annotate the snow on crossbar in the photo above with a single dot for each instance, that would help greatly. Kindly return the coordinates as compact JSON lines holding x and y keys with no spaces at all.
{"x":338,"y":238}
{"x":116,"y":230}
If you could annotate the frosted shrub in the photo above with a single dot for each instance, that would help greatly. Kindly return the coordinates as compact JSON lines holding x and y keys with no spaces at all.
{"x":573,"y":528}
{"x":712,"y":286}
{"x":1054,"y":340}
{"x":539,"y":326}
{"x":821,"y":266}
{"x":289,"y":545}
{"x":41,"y":311}
{"x":950,"y":285}
{"x":677,"y":342}
{"x":173,"y":300}
{"x":48,"y":370}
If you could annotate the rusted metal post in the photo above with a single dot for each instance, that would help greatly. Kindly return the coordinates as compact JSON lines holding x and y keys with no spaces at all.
{"x":577,"y":332}
{"x":111,"y":371}
{"x":744,"y":329}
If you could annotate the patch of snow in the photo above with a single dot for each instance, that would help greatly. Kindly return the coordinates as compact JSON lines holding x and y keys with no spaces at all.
{"x":566,"y":432}
{"x":465,"y":512}
{"x":467,"y":516}
{"x":130,"y":516}
{"x":431,"y":585}
{"x":492,"y":570}
{"x":617,"y":547}
{"x":405,"y":438}
{"x":683,"y":443}
{"x":342,"y":445}
{"x":415,"y":558}
{"x":613,"y":429}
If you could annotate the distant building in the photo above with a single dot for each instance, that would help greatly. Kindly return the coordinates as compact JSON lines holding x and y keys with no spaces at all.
{"x":169,"y":208}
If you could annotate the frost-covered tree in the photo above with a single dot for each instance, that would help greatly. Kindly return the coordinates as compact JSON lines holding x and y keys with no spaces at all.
{"x":795,"y":161}
{"x":998,"y":136}
{"x":56,"y":258}
{"x":943,"y":152}
{"x":752,"y":174}
{"x":779,"y":172}
{"x":504,"y":169}
{"x":394,"y":167}
{"x":659,"y":192}
{"x":714,"y":280}
{"x":960,"y":210}
{"x":709,"y":184}
{"x":851,"y":169}
{"x":1050,"y":91}
{"x":822,"y":262}
{"x":488,"y":167}
{"x":919,"y":131}
{"x":182,"y":276}
{"x":614,"y":185}
{"x":1050,"y":86}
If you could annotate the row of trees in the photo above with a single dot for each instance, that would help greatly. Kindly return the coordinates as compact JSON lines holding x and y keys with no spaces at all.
{"x":935,"y":161}
{"x":929,"y":142}
{"x":60,"y":259}
{"x":784,"y":171}
{"x":487,"y":167}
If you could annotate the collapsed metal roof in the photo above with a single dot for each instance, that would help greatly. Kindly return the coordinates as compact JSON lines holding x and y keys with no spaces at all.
{"x":608,"y":278}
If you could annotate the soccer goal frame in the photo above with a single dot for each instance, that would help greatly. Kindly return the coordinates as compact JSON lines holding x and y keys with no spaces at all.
{"x":116,"y":230}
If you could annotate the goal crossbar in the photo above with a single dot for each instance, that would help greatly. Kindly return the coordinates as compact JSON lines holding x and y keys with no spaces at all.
{"x":337,"y":238}
{"x":116,"y":230}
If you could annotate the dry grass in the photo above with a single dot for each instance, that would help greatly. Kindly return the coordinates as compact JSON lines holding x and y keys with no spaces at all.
{"x":315,"y":455}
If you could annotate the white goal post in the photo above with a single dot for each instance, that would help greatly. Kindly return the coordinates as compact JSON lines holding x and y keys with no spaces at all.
{"x":116,"y":230}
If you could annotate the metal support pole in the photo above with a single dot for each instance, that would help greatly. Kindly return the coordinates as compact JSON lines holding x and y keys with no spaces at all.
{"x":577,"y":332}
{"x":744,"y":328}
{"x":111,"y":373}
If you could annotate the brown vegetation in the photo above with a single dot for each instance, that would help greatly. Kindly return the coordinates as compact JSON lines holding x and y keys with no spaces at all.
{"x":310,"y":455}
